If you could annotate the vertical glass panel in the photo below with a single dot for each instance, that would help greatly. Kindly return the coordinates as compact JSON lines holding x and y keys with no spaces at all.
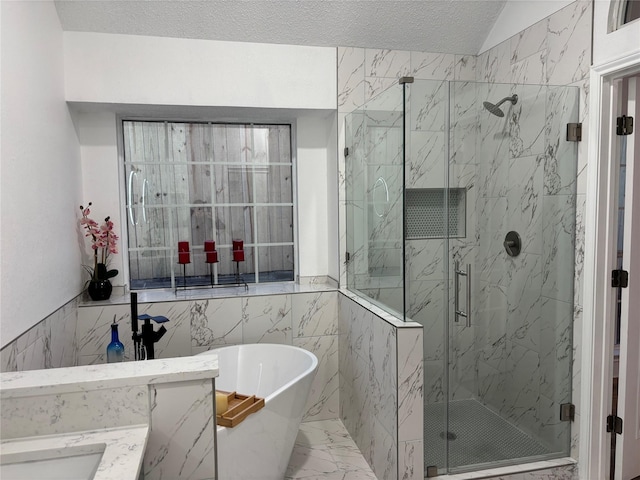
{"x":425,"y":275}
{"x":354,"y":195}
{"x":509,"y":365}
{"x":374,"y":196}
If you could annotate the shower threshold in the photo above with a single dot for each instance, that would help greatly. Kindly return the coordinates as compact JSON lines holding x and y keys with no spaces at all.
{"x":478,"y":439}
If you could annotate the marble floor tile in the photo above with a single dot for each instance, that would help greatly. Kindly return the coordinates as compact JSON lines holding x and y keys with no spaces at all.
{"x":324,"y":450}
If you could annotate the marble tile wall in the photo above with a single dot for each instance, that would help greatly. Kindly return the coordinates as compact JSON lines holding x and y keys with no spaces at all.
{"x":532,"y":303}
{"x":381,"y":384}
{"x":306,"y":320}
{"x":181,"y":443}
{"x":514,"y":197}
{"x":180,"y":417}
{"x":49,"y":344}
{"x":512,"y":338}
{"x":74,"y":411}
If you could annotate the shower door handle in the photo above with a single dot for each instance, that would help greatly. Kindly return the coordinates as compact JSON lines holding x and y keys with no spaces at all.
{"x":462,"y":273}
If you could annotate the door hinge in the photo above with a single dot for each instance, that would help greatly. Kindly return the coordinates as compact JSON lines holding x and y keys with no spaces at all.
{"x":624,"y":125}
{"x":574,"y":132}
{"x":614,"y":424}
{"x":346,"y":151}
{"x":619,"y":278}
{"x":347,"y":257}
{"x":567,"y":412}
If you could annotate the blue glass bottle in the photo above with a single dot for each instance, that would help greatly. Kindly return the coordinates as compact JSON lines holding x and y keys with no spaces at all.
{"x":115,"y":350}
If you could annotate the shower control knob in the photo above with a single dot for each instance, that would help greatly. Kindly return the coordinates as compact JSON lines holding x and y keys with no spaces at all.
{"x":512,"y":244}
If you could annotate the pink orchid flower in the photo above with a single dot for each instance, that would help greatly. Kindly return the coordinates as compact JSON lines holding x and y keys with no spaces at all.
{"x":103,"y":240}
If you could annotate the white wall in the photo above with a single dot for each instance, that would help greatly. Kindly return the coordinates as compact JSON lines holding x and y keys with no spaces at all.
{"x":40,"y":183}
{"x":608,"y":44}
{"x":312,"y":165}
{"x":100,"y":177}
{"x":169,"y":71}
{"x":333,"y":230}
{"x":109,"y":74}
{"x":518,"y":15}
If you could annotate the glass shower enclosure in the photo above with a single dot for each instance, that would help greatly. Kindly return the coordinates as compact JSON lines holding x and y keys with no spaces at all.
{"x":461,"y":217}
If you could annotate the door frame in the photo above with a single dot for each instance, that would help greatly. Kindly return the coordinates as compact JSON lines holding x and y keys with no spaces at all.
{"x":600,"y":220}
{"x":627,"y":462}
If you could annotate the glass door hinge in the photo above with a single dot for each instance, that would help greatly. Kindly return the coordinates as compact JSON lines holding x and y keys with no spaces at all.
{"x":574,"y":132}
{"x":347,"y":257}
{"x":614,"y":424}
{"x":624,"y":125}
{"x":567,"y":412}
{"x":346,"y":151}
{"x":619,"y":278}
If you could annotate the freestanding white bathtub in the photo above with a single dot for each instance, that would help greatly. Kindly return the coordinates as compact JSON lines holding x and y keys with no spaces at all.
{"x":260,"y":447}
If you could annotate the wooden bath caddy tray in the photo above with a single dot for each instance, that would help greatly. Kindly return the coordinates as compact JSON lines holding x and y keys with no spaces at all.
{"x":239,"y":407}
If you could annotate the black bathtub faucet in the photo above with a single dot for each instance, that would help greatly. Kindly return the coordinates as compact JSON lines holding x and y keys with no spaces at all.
{"x":144,"y":342}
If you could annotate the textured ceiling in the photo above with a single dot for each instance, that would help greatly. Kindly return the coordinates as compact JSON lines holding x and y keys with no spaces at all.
{"x":449,"y":26}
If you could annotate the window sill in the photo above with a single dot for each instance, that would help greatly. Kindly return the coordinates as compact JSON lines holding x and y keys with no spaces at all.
{"x":120,"y":297}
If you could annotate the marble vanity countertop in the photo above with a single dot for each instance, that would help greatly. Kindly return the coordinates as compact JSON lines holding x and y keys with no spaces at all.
{"x":123,"y":449}
{"x":95,"y":377}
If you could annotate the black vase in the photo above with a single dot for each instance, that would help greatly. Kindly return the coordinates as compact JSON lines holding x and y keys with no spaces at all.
{"x":99,"y":289}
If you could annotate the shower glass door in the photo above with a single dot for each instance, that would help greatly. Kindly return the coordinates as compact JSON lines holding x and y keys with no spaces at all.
{"x":498,"y":338}
{"x":374,"y":197}
{"x":461,"y":213}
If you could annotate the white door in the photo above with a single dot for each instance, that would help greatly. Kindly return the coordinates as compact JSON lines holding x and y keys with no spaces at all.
{"x":627,"y":460}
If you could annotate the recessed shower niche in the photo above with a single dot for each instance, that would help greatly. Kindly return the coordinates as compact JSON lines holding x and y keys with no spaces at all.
{"x":425,"y":213}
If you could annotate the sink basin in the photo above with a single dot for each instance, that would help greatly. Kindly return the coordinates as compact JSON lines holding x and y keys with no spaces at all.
{"x":88,"y":455}
{"x":69,"y":463}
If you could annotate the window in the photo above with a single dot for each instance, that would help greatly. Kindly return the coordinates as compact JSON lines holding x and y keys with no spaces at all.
{"x":622,"y":12}
{"x":631,"y":11}
{"x":207,"y":181}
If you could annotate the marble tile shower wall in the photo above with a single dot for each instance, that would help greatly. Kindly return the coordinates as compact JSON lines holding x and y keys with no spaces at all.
{"x":554,"y":51}
{"x":49,"y":344}
{"x":523,"y":341}
{"x":532,"y":301}
{"x":381,"y":390}
{"x":306,"y":320}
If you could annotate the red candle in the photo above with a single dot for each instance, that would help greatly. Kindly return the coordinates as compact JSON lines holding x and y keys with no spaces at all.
{"x":212,"y":257}
{"x":183,"y":253}
{"x":209,"y":246}
{"x":238,"y":252}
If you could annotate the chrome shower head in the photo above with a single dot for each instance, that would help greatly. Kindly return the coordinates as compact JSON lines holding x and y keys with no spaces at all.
{"x":495,"y":109}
